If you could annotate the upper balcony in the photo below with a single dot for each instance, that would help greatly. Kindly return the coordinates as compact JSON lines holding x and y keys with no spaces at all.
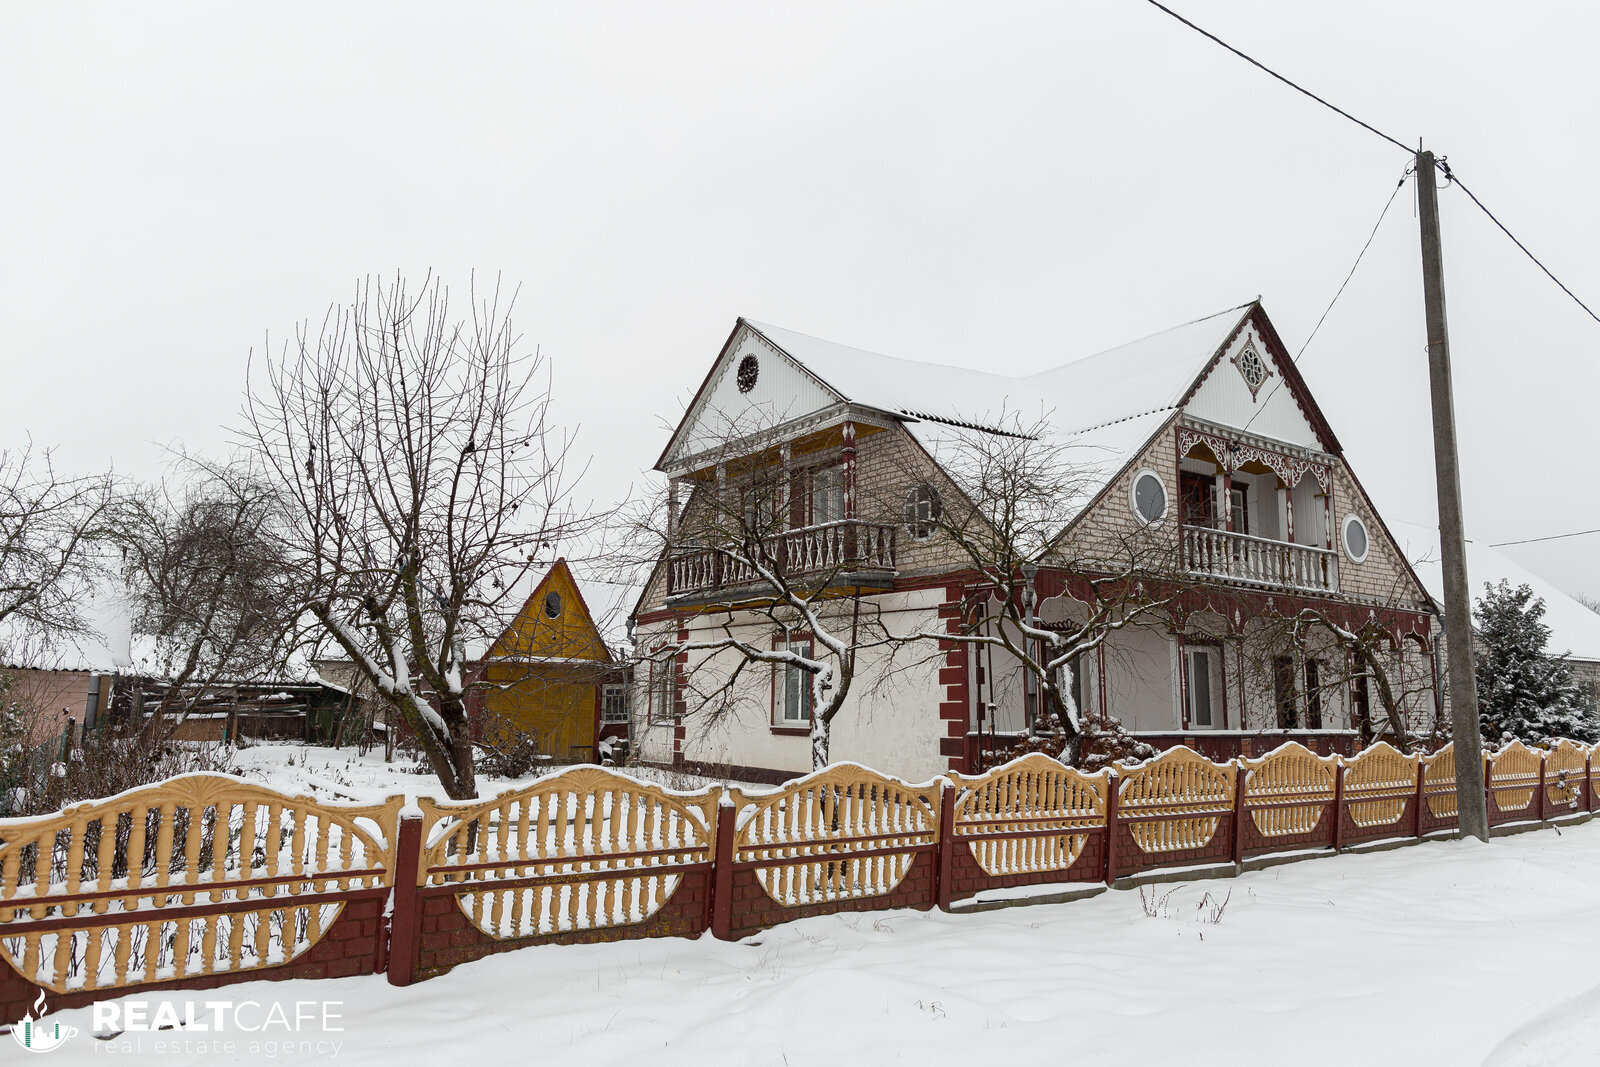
{"x":1241,"y":557}
{"x":844,"y":552}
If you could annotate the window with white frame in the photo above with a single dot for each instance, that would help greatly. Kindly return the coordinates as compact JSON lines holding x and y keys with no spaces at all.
{"x":1148,"y":497}
{"x":662,"y":690}
{"x":1203,"y":689}
{"x":923,"y":511}
{"x":791,"y":704}
{"x":613,"y":703}
{"x":827,"y":495}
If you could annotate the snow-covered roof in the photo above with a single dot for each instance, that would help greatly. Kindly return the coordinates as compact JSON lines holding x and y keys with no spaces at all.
{"x":1103,"y":408}
{"x":1142,"y":377}
{"x":1574,"y":629}
{"x":104,"y":648}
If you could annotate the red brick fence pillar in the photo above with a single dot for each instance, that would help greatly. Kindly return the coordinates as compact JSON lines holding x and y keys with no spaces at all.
{"x":405,"y":920}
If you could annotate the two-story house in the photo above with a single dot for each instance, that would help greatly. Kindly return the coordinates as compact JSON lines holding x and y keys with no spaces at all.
{"x":1204,"y":438}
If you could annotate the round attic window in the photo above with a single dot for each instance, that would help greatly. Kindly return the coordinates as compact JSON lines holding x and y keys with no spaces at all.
{"x":749,"y":371}
{"x":552,"y":604}
{"x":1148,"y":496}
{"x":1355,"y":539}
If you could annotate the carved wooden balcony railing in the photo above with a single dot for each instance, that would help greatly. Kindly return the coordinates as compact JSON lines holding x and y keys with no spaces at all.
{"x":831,"y":550}
{"x":1243,"y":558}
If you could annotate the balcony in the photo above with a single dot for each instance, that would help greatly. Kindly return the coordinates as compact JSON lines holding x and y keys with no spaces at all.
{"x":846,"y":552}
{"x":1240,"y":557}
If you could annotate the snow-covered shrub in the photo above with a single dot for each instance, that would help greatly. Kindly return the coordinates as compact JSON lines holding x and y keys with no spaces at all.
{"x":1524,"y":692}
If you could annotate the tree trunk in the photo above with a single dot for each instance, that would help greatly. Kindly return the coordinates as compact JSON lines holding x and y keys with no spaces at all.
{"x":450,"y":758}
{"x":821,"y":737}
{"x":1386,"y":697}
{"x":454,"y":713}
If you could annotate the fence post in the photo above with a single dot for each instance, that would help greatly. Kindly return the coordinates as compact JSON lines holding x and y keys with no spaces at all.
{"x":943,"y":869}
{"x":1338,"y":805}
{"x":1488,"y":789}
{"x":1416,"y":803}
{"x":405,"y":920}
{"x":1539,"y":808}
{"x":1112,"y":798}
{"x":722,"y":873}
{"x":1239,"y":773}
{"x":1588,"y":782}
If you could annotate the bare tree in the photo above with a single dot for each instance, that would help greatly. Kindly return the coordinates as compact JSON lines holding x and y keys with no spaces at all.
{"x":50,"y":529}
{"x":1358,"y":649}
{"x":1008,"y":513}
{"x":209,"y":584}
{"x":421,"y":476}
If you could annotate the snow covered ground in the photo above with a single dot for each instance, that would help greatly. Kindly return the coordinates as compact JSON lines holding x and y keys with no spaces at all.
{"x":1454,"y":953}
{"x":343,"y":774}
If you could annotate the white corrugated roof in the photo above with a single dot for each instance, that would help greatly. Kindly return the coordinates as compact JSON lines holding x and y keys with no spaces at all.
{"x":1574,"y":629}
{"x":1150,"y":374}
{"x":1103,"y":407}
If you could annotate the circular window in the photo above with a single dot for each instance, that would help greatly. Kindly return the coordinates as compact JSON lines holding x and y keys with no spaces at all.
{"x":1355,"y":538}
{"x":749,"y":371}
{"x":923,"y":510}
{"x":1148,"y":497}
{"x":552,"y":604}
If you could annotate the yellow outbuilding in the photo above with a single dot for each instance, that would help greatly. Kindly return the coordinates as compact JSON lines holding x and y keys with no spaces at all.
{"x":549,"y":677}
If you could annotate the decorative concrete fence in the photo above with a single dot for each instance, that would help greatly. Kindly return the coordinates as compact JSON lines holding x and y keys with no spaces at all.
{"x":204,"y":880}
{"x":195,"y":882}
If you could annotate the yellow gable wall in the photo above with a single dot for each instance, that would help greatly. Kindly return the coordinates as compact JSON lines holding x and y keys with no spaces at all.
{"x":550,"y":704}
{"x":571,"y":635}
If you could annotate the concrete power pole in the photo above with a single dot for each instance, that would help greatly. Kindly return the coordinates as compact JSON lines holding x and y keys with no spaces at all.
{"x":1470,"y":800}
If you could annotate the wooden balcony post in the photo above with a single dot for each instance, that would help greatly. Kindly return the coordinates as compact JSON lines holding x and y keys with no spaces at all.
{"x":848,"y":473}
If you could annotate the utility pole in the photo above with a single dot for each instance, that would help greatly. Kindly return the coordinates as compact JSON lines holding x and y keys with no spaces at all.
{"x":1470,"y":800}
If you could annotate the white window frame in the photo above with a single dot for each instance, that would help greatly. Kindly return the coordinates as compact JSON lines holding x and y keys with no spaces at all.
{"x":784,"y":676}
{"x":1133,"y":497}
{"x":663,"y":691}
{"x":827,"y":490}
{"x":620,"y":692}
{"x":924,"y":506}
{"x":1344,"y":537}
{"x":1213,"y":658}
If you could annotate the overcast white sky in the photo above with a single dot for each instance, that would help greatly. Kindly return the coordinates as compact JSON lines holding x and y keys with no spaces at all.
{"x":1000,"y":185}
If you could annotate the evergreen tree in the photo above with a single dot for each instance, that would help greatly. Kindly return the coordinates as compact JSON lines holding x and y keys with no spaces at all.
{"x":1523,"y":691}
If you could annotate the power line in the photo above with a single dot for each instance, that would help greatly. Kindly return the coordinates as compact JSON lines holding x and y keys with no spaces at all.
{"x":1359,"y":256}
{"x":1445,"y":168}
{"x":1552,"y":537}
{"x":1297,"y":88}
